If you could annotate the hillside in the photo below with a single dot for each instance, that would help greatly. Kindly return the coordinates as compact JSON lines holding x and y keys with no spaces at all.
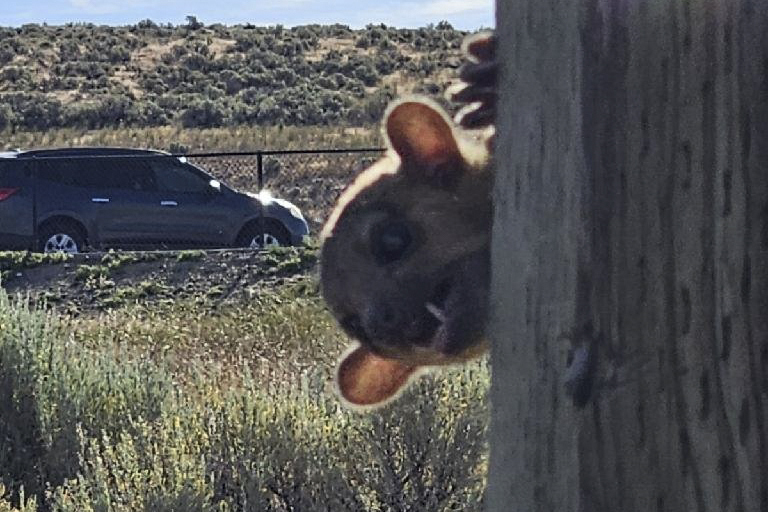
{"x":86,"y":76}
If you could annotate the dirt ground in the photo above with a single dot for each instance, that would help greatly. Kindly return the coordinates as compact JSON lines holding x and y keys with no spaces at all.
{"x":99,"y":281}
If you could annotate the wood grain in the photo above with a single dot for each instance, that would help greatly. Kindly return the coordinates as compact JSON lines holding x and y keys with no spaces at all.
{"x":631,"y":215}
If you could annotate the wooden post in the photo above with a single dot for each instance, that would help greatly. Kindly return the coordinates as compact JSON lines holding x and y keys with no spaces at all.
{"x":631,"y":230}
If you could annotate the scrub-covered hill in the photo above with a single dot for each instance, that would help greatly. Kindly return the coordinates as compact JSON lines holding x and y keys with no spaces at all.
{"x":88,"y":76}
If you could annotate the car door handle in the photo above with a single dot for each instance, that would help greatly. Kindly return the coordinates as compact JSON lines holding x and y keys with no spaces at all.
{"x":100,"y":199}
{"x":169,"y":203}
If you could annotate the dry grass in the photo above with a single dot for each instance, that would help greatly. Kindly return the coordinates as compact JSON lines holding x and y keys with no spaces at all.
{"x":239,"y":138}
{"x":275,"y":335}
{"x":147,"y":410}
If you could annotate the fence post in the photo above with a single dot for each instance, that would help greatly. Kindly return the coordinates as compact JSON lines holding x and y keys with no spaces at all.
{"x":260,"y":169}
{"x":260,"y":179}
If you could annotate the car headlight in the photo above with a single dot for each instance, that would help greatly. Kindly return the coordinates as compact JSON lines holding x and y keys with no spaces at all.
{"x":294,"y":210}
{"x":266,"y":197}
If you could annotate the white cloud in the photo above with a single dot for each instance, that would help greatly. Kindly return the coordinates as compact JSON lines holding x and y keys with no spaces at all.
{"x":105,"y":6}
{"x":466,"y":14}
{"x":451,"y":7}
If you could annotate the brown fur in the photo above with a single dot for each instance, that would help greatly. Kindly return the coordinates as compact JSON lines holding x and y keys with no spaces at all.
{"x":405,"y":259}
{"x":428,"y":305}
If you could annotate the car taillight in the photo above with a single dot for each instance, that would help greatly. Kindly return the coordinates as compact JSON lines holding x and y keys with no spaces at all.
{"x":5,"y":193}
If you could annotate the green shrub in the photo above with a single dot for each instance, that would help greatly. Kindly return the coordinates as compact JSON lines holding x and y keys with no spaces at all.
{"x":51,"y":387}
{"x":277,"y":448}
{"x":105,"y":426}
{"x":7,"y":117}
{"x":203,"y":114}
{"x":88,"y":76}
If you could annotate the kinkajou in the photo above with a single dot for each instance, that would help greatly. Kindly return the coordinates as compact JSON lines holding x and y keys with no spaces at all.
{"x":405,"y":257}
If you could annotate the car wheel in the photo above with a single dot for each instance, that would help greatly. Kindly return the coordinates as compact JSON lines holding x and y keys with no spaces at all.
{"x":271,"y":235}
{"x":61,"y":237}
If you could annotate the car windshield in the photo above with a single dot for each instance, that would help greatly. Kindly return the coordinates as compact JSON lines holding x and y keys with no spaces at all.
{"x":206,"y":172}
{"x":200,"y":169}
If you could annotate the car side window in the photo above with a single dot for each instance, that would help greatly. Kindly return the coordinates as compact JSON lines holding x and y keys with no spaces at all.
{"x":13,"y":172}
{"x":64,"y":172}
{"x":99,"y":173}
{"x":134,"y":174}
{"x":173,"y":176}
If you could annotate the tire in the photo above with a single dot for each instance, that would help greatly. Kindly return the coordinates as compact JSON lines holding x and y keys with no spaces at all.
{"x":274,"y":234}
{"x":61,"y":236}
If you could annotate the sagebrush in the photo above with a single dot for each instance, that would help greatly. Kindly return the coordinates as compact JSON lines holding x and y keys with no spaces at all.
{"x":99,"y":419}
{"x":88,"y":76}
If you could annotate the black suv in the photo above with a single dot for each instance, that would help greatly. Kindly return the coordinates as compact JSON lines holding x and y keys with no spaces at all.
{"x":63,"y":200}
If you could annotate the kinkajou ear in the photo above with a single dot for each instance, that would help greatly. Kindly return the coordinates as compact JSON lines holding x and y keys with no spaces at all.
{"x":365,"y":380}
{"x":422,"y":135}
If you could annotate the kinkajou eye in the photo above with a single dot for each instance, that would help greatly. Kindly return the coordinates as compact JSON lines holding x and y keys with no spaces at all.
{"x":390,"y":241}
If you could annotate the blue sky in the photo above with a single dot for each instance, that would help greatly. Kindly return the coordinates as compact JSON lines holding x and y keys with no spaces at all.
{"x":462,"y":14}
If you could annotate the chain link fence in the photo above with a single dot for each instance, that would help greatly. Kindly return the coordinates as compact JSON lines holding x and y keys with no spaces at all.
{"x":77,"y":200}
{"x":310,"y":179}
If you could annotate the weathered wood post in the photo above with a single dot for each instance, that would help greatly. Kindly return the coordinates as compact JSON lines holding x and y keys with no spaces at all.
{"x":631,"y":221}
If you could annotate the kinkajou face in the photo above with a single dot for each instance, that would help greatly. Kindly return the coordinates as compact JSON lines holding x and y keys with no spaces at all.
{"x":405,"y":258}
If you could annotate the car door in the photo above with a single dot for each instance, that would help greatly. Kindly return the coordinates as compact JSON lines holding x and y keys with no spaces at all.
{"x":63,"y":191}
{"x":126,"y":196}
{"x":192,"y":213}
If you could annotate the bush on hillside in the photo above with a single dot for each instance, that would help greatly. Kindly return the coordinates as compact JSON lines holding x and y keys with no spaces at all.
{"x":73,"y":68}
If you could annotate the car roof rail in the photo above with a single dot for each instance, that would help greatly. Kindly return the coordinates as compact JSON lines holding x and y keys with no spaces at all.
{"x":87,"y":151}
